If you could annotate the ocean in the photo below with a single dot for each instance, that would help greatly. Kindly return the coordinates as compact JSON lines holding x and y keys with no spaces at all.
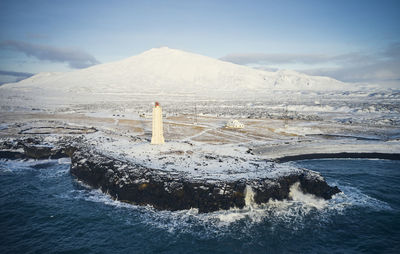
{"x":43,"y":209}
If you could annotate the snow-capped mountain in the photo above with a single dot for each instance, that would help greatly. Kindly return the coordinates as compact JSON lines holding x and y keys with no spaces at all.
{"x":171,"y":71}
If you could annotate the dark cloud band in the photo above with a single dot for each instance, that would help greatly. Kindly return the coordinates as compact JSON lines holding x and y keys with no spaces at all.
{"x":352,"y":67}
{"x":16,"y":74}
{"x":260,"y":58}
{"x":75,"y":58}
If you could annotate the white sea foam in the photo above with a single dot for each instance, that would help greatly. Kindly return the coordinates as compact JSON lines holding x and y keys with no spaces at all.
{"x":295,"y":213}
{"x":49,"y":168}
{"x":353,"y":197}
{"x":64,"y":161}
{"x":310,"y":200}
{"x":287,"y":211}
{"x":19,"y":166}
{"x":249,"y":197}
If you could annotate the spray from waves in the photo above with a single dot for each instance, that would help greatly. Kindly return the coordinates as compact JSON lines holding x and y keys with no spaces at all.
{"x":291,"y":211}
{"x":292,"y":214}
{"x":185,"y":221}
{"x":23,"y":166}
{"x":353,"y":197}
{"x":310,"y":200}
{"x":15,"y":166}
{"x":287,"y":212}
{"x":249,"y":197}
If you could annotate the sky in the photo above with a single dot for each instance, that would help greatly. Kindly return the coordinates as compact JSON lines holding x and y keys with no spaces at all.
{"x":350,"y":40}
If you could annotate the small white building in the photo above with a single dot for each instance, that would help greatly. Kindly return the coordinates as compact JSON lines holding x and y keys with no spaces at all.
{"x":235,"y":124}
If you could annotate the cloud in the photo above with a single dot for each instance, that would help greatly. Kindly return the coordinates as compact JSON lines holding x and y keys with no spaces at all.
{"x":13,"y":76}
{"x":261,"y":58}
{"x":75,"y":58}
{"x":16,"y":74}
{"x":393,"y":51}
{"x":378,"y":72}
{"x":378,"y":67}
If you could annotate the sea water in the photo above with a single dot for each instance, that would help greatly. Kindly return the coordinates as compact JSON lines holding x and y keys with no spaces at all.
{"x":43,"y":209}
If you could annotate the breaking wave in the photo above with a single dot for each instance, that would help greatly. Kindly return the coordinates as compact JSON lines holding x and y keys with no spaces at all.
{"x":292,"y":212}
{"x":289,"y":213}
{"x":64,"y":212}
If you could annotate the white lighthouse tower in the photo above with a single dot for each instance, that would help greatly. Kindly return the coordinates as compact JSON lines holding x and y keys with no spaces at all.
{"x":157,"y":137}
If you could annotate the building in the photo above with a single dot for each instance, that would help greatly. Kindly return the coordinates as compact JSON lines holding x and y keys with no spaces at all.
{"x":157,"y":137}
{"x":235,"y":124}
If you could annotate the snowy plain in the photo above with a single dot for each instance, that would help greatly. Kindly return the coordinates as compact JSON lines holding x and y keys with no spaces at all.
{"x":283,"y":112}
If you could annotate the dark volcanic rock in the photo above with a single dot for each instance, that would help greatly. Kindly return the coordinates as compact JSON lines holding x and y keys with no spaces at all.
{"x":279,"y":189}
{"x":36,"y":148}
{"x":38,"y":151}
{"x":165,"y":190}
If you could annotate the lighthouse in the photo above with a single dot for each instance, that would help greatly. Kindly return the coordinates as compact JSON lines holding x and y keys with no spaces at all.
{"x":157,"y":137}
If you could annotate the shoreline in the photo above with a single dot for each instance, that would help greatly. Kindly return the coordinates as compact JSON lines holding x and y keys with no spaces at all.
{"x":343,"y":155}
{"x":15,"y":155}
{"x":167,"y":190}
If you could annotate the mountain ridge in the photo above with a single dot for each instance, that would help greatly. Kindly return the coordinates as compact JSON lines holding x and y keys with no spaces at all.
{"x":176,"y":71}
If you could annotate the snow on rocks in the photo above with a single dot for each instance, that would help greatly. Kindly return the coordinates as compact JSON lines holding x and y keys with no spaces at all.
{"x":194,"y":159}
{"x":179,"y":189}
{"x":175,"y":187}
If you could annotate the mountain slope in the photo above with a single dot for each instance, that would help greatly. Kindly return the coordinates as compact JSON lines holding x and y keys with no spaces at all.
{"x":165,"y":70}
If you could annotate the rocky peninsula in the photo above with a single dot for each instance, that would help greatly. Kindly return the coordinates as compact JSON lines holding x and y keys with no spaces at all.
{"x":169,"y":188}
{"x":203,"y":165}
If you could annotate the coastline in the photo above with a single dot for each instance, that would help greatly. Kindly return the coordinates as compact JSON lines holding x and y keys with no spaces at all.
{"x":344,"y":155}
{"x":203,"y":165}
{"x":168,"y":190}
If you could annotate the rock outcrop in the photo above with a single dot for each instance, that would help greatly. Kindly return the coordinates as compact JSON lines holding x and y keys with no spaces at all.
{"x":164,"y":190}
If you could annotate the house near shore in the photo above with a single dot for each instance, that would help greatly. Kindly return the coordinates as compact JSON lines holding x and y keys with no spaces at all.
{"x":234,"y":124}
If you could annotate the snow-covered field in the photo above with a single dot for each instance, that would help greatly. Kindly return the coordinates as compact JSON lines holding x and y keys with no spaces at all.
{"x":283,"y":112}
